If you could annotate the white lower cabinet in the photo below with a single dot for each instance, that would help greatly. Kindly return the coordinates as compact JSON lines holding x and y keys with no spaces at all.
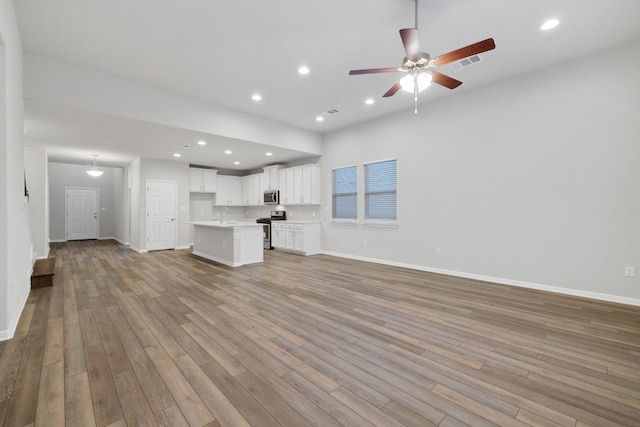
{"x":297,"y":237}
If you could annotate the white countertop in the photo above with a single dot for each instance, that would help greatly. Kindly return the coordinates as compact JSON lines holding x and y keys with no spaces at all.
{"x":226,"y":224}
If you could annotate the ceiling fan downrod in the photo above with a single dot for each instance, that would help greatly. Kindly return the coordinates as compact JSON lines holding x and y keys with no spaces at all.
{"x":415,"y":92}
{"x":415,"y":76}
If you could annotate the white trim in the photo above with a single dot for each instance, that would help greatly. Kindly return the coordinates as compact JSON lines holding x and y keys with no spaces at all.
{"x":115,"y":239}
{"x":355,"y":165}
{"x":8,"y":333}
{"x":380,"y":224}
{"x":57,"y":241}
{"x":216,"y":259}
{"x":140,"y":251}
{"x":184,"y":247}
{"x":379,"y":161}
{"x":121,"y":242}
{"x":497,"y":280}
{"x":338,"y":221}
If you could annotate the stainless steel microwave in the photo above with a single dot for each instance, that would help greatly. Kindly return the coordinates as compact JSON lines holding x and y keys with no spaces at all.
{"x":272,"y":197}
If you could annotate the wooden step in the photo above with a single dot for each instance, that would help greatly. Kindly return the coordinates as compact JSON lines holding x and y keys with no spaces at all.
{"x":43,"y":272}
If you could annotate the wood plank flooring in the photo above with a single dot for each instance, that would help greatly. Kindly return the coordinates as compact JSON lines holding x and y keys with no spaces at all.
{"x":168,"y":339}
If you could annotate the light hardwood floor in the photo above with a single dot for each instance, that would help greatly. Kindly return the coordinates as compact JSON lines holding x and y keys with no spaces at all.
{"x":166,"y":338}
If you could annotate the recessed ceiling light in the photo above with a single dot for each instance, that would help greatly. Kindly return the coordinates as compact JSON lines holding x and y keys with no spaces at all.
{"x":256,"y":97}
{"x":236,"y":163}
{"x":269,"y":154}
{"x":202,"y":143}
{"x":549,"y":24}
{"x":369,"y":101}
{"x":228,"y":152}
{"x":177,"y":155}
{"x":319,"y":119}
{"x":303,"y":70}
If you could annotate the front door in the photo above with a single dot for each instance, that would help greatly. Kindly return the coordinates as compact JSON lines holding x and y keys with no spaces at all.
{"x":161,"y":215}
{"x":82,"y":213}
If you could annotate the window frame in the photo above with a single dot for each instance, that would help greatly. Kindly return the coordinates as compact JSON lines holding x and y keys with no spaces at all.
{"x":366,"y":194}
{"x":355,"y":194}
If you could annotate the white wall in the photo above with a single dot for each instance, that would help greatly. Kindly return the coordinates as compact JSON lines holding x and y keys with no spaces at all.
{"x":111,"y":214}
{"x":15,"y":246}
{"x":532,"y":181}
{"x":37,"y":177}
{"x":137,"y":237}
{"x":121,"y":205}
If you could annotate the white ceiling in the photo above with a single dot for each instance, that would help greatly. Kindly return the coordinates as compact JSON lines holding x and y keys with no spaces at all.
{"x":223,"y":51}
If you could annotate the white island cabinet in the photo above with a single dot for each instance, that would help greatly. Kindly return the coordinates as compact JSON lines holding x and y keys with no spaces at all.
{"x":231,"y":243}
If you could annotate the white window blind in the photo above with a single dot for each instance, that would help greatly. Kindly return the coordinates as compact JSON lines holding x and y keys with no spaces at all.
{"x":380,"y":191}
{"x":345,"y":191}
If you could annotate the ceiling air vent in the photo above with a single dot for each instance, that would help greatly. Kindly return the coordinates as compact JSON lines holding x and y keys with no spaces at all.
{"x":465,"y":62}
{"x":333,"y":111}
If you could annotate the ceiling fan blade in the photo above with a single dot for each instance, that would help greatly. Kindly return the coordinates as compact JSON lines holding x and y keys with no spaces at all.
{"x":444,"y":80}
{"x":396,"y":87}
{"x":373,"y":71}
{"x":410,"y":42}
{"x":465,"y":52}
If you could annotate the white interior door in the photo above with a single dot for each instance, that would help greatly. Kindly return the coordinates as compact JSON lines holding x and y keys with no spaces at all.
{"x":161,"y":215}
{"x":82,"y":213}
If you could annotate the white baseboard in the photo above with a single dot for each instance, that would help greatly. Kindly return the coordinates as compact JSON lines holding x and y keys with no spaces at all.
{"x":183,"y":247}
{"x":497,"y":280}
{"x":140,"y":251}
{"x":7,"y":334}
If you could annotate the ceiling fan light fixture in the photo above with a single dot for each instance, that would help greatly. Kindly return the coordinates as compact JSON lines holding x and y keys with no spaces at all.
{"x":549,"y":24}
{"x":408,"y":82}
{"x":94,"y":170}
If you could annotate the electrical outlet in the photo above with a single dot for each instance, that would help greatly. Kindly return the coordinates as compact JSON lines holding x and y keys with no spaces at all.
{"x":438,"y":251}
{"x":630,"y":272}
{"x":365,"y":243}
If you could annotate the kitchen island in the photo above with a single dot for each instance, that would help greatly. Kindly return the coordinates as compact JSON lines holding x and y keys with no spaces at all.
{"x":233,"y":243}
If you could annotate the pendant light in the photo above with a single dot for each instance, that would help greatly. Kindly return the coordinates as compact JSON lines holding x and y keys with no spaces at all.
{"x":94,"y":170}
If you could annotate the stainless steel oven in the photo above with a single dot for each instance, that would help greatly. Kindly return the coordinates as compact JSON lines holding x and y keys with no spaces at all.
{"x":266,"y":227}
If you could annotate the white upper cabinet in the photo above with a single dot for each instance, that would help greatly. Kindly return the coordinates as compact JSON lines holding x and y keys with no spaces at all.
{"x":300,"y":185}
{"x":202,"y":180}
{"x":252,"y":190}
{"x":271,"y":179}
{"x":229,"y":191}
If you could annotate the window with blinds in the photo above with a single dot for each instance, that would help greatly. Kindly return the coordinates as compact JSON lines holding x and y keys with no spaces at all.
{"x":380,"y":191}
{"x":345,"y":193}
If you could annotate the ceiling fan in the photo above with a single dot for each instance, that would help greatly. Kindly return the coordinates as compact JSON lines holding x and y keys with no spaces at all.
{"x":420,"y":67}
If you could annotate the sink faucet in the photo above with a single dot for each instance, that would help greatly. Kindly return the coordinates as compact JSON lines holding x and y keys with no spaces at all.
{"x":224,"y":210}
